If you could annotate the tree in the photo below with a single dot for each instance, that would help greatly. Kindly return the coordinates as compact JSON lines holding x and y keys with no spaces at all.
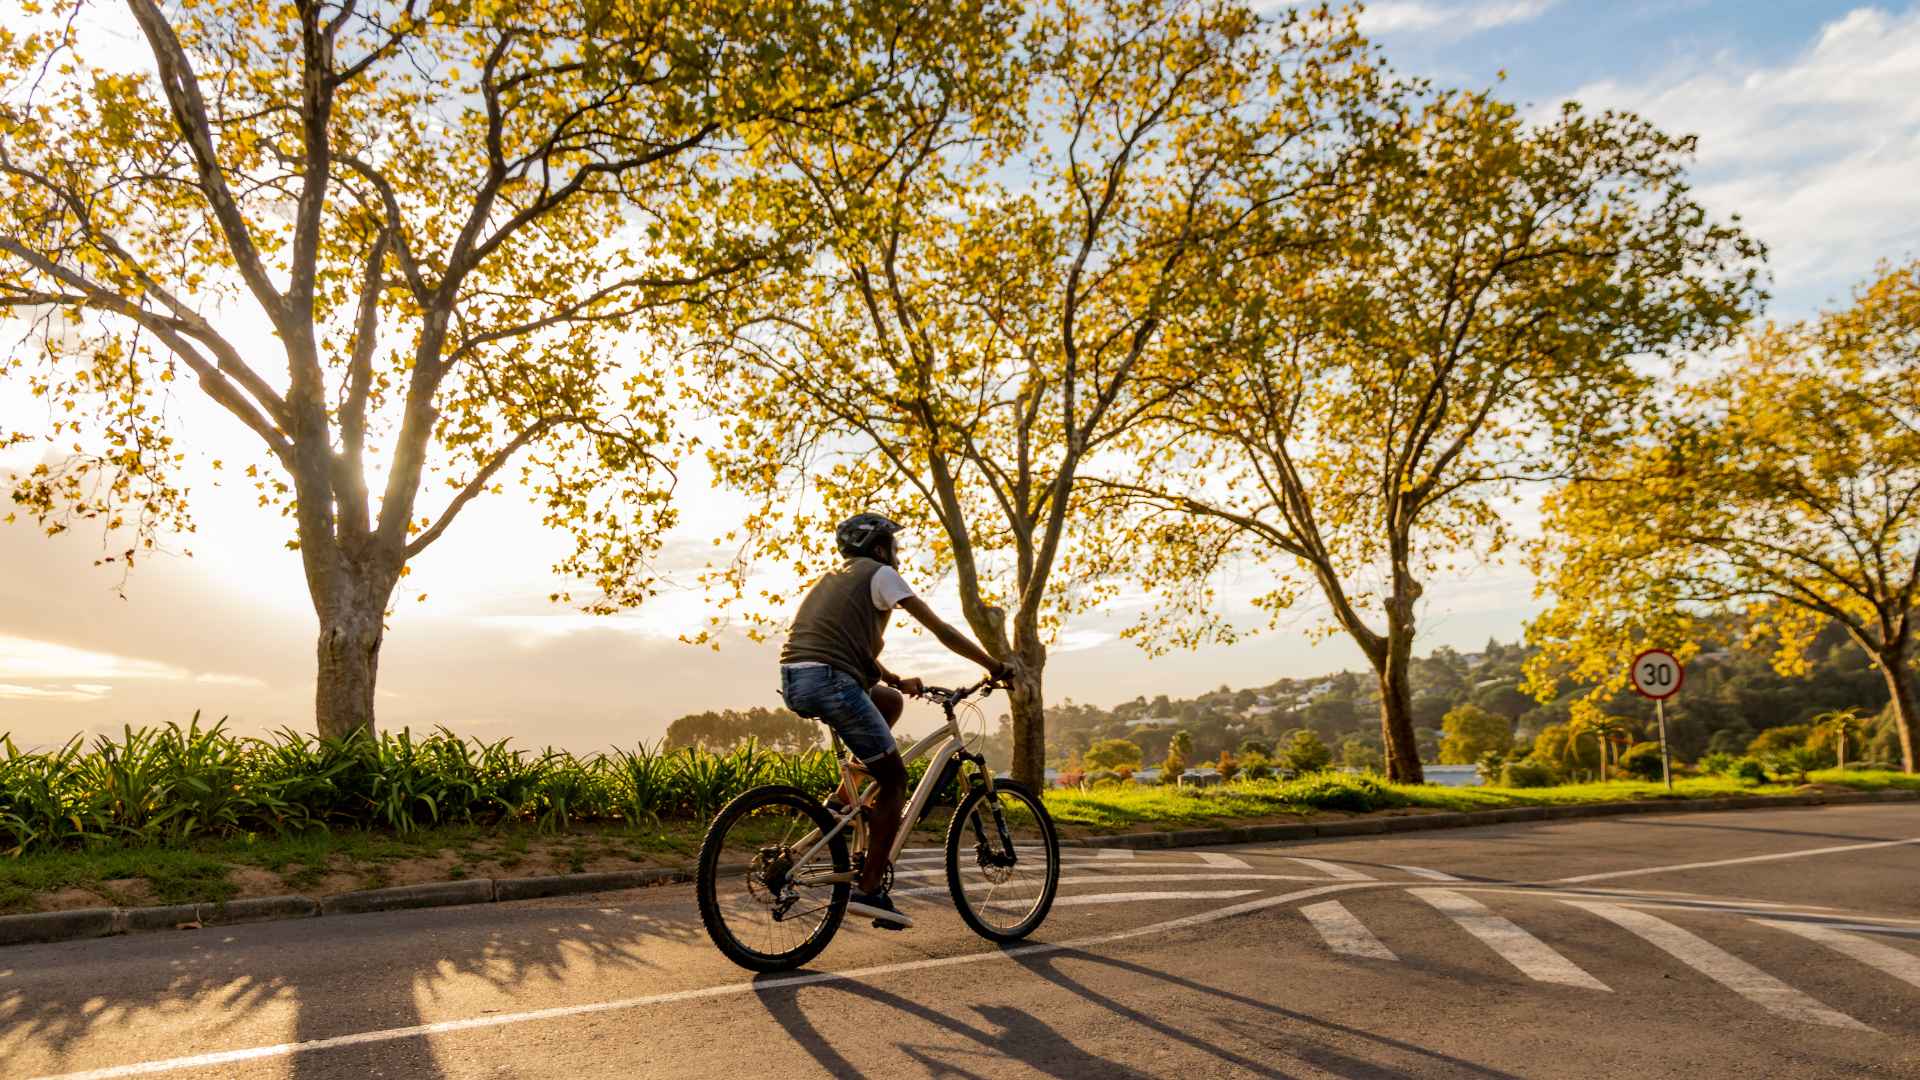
{"x":1179,"y":756}
{"x":985,"y":311}
{"x":1844,"y":728}
{"x":393,"y":242}
{"x":1112,"y":754}
{"x":776,"y":729}
{"x":1786,"y":487}
{"x":1357,"y":753}
{"x":1471,"y":733}
{"x":1476,"y":318}
{"x":1305,"y":753}
{"x":1610,"y":733}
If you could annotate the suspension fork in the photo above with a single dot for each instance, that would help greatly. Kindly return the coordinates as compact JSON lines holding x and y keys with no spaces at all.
{"x":982,"y":779}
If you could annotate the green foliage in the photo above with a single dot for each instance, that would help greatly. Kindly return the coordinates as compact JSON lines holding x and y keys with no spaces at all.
{"x":1112,"y":753}
{"x":1747,"y":770}
{"x":1794,"y":763}
{"x":1641,"y":761}
{"x":1471,"y":733}
{"x":1777,"y":739}
{"x":725,"y":729}
{"x":1528,"y":773}
{"x":1717,"y":764}
{"x":1336,"y":791}
{"x":1305,"y":753}
{"x":179,"y":784}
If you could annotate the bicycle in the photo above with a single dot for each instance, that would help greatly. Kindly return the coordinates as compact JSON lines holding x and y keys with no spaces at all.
{"x":792,"y":892}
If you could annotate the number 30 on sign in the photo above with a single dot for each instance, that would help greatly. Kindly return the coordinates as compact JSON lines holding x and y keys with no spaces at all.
{"x":1656,"y":674}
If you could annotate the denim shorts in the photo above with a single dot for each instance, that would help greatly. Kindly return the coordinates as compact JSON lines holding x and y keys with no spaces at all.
{"x":837,"y":699}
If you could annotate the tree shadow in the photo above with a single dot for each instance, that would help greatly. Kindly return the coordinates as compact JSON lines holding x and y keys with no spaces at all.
{"x":1012,"y":1033}
{"x":316,"y":970}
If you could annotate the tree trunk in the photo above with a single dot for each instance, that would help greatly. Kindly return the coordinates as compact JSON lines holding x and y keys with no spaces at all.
{"x":1029,"y":727}
{"x":351,"y":626}
{"x":1396,"y":707}
{"x":1905,"y":704}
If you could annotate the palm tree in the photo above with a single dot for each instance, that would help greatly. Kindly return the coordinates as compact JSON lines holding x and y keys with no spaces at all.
{"x":1842,"y":723}
{"x":1609,"y":730}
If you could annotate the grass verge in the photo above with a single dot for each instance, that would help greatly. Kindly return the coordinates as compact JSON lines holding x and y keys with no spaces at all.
{"x":318,"y":863}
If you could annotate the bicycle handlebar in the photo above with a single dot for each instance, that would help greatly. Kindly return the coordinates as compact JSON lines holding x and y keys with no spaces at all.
{"x":954,"y":696}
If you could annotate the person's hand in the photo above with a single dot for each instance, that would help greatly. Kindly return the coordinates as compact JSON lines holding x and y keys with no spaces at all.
{"x":909,"y":686}
{"x":1003,"y":672}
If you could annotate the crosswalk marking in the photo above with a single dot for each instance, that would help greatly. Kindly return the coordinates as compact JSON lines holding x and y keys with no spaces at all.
{"x":1423,"y":872}
{"x":1901,"y":965}
{"x":1333,"y":870}
{"x":1343,"y":933}
{"x":1533,"y":957}
{"x":1722,"y":966}
{"x":1217,"y":858}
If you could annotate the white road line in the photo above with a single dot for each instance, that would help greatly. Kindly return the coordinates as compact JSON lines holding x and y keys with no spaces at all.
{"x":1121,"y":853}
{"x":260,"y":1053}
{"x":1901,"y":965}
{"x":1332,"y":870}
{"x":1344,"y":933}
{"x":1732,"y":862}
{"x":1533,"y":957}
{"x":1133,"y":897}
{"x":1133,"y":879}
{"x":1218,"y":858}
{"x":1722,"y":966}
{"x":1681,"y":903}
{"x":1423,"y":872}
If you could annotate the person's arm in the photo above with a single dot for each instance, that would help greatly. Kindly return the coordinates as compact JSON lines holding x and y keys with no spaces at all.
{"x":950,"y":637}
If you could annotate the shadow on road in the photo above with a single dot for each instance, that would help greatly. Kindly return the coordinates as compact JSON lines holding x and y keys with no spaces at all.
{"x":309,"y":980}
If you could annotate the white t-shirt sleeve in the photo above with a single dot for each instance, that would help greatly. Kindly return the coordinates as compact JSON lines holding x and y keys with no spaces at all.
{"x":889,"y":589}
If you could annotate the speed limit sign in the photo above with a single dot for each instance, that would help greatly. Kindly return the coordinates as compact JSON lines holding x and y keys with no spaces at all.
{"x":1656,"y":674}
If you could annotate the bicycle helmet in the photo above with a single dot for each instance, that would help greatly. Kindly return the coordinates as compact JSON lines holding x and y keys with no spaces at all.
{"x":860,"y":534}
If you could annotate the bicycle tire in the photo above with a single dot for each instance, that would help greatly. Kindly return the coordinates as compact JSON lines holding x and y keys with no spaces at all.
{"x":707,"y":880}
{"x":1050,"y":843}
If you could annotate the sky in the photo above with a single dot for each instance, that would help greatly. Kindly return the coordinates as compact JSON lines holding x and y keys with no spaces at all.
{"x":1809,"y":129}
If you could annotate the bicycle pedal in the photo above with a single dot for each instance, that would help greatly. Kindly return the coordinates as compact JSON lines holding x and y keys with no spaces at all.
{"x":882,"y":924}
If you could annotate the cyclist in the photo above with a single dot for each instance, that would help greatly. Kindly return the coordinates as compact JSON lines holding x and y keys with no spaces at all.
{"x":830,"y":671}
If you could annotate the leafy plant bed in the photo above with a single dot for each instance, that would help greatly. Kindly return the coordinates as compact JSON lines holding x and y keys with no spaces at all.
{"x":320,"y":863}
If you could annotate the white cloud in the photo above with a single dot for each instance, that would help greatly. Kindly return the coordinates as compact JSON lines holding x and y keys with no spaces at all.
{"x":25,"y":658}
{"x":80,"y":692}
{"x":1449,"y":20}
{"x":1818,"y":155}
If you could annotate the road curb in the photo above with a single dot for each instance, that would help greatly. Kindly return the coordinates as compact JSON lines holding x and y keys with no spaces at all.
{"x":1460,"y":819}
{"x":84,"y":923}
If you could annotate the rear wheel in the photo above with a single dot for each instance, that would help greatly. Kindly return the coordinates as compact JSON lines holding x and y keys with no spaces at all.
{"x":763,"y":912}
{"x":1003,"y":861}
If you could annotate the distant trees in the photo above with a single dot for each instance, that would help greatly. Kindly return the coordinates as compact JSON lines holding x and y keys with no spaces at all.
{"x":1112,"y":754}
{"x":1305,"y":753}
{"x":1471,"y":733}
{"x":1786,"y":486}
{"x":775,"y":729}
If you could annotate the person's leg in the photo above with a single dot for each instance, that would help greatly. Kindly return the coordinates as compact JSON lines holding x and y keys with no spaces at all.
{"x":891,"y":704}
{"x":883,"y":820}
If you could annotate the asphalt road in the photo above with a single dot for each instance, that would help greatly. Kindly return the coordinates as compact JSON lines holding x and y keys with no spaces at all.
{"x":1761,"y":943}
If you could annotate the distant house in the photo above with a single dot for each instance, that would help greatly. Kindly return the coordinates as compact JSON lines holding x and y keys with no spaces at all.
{"x":1206,"y":777}
{"x":1147,"y":776}
{"x":1151,"y":721}
{"x":1474,"y":659}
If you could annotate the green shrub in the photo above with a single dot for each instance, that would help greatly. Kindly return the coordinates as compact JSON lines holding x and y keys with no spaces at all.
{"x":1748,"y":770}
{"x":1794,"y":763}
{"x":1716,"y":764}
{"x":1529,"y":773}
{"x":1103,"y":777}
{"x":1305,"y":753}
{"x":1641,"y":761}
{"x":1338,"y":791}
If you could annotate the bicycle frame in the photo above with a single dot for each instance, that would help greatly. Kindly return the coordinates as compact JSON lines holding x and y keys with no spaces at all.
{"x":945,"y":743}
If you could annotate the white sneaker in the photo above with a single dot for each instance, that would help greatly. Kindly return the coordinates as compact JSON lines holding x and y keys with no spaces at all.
{"x":878,"y":907}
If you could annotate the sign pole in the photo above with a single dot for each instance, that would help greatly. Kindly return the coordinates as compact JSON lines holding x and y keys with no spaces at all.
{"x":1657,"y":674}
{"x":1666,"y":758}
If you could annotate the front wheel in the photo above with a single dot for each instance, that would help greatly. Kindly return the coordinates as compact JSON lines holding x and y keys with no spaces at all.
{"x":761,"y":907}
{"x":1003,"y":861}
